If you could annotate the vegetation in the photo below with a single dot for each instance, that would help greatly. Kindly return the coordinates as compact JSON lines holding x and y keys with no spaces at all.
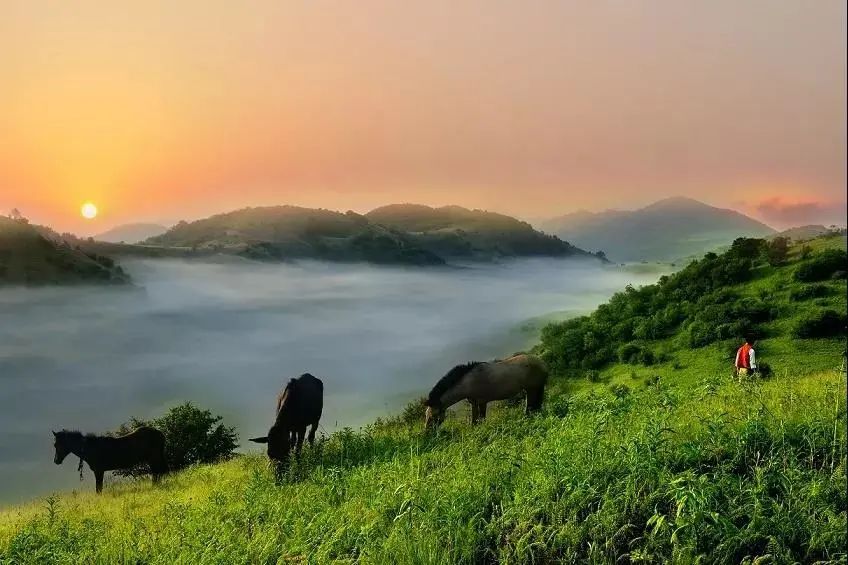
{"x":33,"y":255}
{"x":192,"y":436}
{"x":718,"y":298}
{"x":676,"y":462}
{"x":393,"y":234}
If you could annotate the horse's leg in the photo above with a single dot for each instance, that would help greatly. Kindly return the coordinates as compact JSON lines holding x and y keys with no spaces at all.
{"x":475,"y":411}
{"x":482,"y":410}
{"x":98,"y":480}
{"x":312,"y":433}
{"x":300,"y":433}
{"x":534,"y":399}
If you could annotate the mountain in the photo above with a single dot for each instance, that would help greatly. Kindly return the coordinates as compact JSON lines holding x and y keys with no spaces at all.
{"x":402,"y":234}
{"x":457,"y":232}
{"x":290,"y":232}
{"x":131,"y":233}
{"x":32,"y":255}
{"x":664,"y":231}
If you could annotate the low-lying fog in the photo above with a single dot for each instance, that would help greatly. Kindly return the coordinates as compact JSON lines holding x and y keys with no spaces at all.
{"x":228,"y":335}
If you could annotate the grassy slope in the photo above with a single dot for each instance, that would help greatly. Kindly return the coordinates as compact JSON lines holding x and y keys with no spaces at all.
{"x":691,"y":464}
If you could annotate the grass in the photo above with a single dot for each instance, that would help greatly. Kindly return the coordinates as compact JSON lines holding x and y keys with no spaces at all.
{"x":675,"y":462}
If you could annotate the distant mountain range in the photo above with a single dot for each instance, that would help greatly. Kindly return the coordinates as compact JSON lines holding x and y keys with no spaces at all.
{"x":34,"y":255}
{"x":396,"y":234}
{"x":666,"y":230}
{"x":131,"y":233}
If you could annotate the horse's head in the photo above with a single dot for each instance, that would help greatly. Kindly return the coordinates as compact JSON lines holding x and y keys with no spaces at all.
{"x":433,"y":417}
{"x":62,"y":446}
{"x":278,"y":440}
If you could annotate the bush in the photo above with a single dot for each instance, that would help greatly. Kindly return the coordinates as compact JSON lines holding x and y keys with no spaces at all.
{"x":633,"y":353}
{"x":824,"y":323}
{"x":192,"y":436}
{"x":808,"y":291}
{"x":777,"y":250}
{"x":822,"y":266}
{"x":593,"y":376}
{"x":619,"y":390}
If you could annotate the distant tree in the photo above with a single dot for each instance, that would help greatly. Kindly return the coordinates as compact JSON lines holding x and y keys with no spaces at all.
{"x":806,"y":251}
{"x":777,"y":250}
{"x":601,"y":255}
{"x":16,"y":215}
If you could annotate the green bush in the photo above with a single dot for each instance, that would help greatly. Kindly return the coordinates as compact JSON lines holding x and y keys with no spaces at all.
{"x":192,"y":436}
{"x":822,"y":266}
{"x":824,"y":323}
{"x":808,"y":291}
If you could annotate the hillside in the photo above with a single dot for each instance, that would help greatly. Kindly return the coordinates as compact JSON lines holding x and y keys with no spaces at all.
{"x":456,"y":232}
{"x":291,"y":232}
{"x":664,"y":231}
{"x":34,"y":256}
{"x":131,"y":233}
{"x":394,"y":234}
{"x":647,"y":450}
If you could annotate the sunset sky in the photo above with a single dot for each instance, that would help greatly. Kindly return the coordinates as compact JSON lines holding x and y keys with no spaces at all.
{"x":160,"y":111}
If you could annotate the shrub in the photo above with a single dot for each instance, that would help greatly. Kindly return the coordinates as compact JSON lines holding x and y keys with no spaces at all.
{"x":764,"y":370}
{"x":821,"y":266}
{"x":593,"y":376}
{"x":808,"y":291}
{"x":824,"y":323}
{"x":619,"y":390}
{"x":192,"y":436}
{"x":777,"y":250}
{"x":633,"y":353}
{"x":413,"y":413}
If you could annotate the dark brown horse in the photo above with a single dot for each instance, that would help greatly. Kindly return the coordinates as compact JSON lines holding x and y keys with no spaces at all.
{"x":299,"y":405}
{"x":107,"y":453}
{"x":482,"y":383}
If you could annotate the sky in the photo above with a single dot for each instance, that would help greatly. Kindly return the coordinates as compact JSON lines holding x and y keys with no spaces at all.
{"x":161,"y":111}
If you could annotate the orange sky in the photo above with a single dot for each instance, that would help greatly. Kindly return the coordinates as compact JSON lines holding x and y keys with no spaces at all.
{"x":166,"y":110}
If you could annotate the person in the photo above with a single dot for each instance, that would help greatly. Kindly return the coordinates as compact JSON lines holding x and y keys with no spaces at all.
{"x":746,"y":358}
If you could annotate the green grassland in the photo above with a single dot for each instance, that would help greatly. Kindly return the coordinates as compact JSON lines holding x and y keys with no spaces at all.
{"x":673,"y":461}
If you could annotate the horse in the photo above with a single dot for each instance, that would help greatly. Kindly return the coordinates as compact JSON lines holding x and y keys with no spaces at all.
{"x":483,"y":382}
{"x":108,"y":453}
{"x":299,"y":405}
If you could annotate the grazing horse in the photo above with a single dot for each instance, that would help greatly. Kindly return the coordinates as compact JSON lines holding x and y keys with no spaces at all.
{"x":107,"y":453}
{"x":299,"y":405}
{"x":481,"y":383}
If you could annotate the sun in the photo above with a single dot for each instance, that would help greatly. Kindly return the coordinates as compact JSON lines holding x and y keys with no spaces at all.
{"x":88,"y":211}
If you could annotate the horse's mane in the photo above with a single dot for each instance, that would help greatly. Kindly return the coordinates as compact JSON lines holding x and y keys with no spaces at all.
{"x":451,"y":378}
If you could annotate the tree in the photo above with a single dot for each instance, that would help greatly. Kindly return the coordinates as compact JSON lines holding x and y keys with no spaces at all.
{"x":777,"y":250}
{"x":192,"y":436}
{"x":16,"y":215}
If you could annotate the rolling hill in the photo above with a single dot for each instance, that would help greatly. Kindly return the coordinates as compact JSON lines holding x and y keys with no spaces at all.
{"x":664,"y":231}
{"x":459,"y":233}
{"x":30,"y":255}
{"x":131,"y":233}
{"x":394,"y":234}
{"x":662,"y":458}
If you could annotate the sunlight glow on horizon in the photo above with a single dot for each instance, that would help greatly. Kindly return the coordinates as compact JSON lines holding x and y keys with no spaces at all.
{"x":530,"y":110}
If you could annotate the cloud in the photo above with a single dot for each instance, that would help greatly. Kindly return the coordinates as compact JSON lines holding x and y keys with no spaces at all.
{"x":780,"y":213}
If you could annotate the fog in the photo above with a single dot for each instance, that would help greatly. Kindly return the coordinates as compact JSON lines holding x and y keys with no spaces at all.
{"x":228,"y":335}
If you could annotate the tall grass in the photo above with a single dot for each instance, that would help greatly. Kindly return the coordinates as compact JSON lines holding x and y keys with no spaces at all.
{"x":709,"y":469}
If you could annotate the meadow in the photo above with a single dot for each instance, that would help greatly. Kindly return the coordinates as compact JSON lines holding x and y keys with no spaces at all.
{"x":662,"y":458}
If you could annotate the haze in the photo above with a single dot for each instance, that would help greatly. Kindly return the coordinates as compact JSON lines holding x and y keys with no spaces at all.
{"x":160,"y":111}
{"x":228,"y":336}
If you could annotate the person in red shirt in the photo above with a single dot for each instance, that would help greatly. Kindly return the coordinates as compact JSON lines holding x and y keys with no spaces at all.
{"x":746,"y":358}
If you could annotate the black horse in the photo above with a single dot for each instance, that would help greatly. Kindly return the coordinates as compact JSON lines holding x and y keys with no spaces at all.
{"x":299,"y":405}
{"x":107,"y":453}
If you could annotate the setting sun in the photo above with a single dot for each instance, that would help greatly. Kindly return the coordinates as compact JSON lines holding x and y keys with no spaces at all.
{"x":88,"y":211}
